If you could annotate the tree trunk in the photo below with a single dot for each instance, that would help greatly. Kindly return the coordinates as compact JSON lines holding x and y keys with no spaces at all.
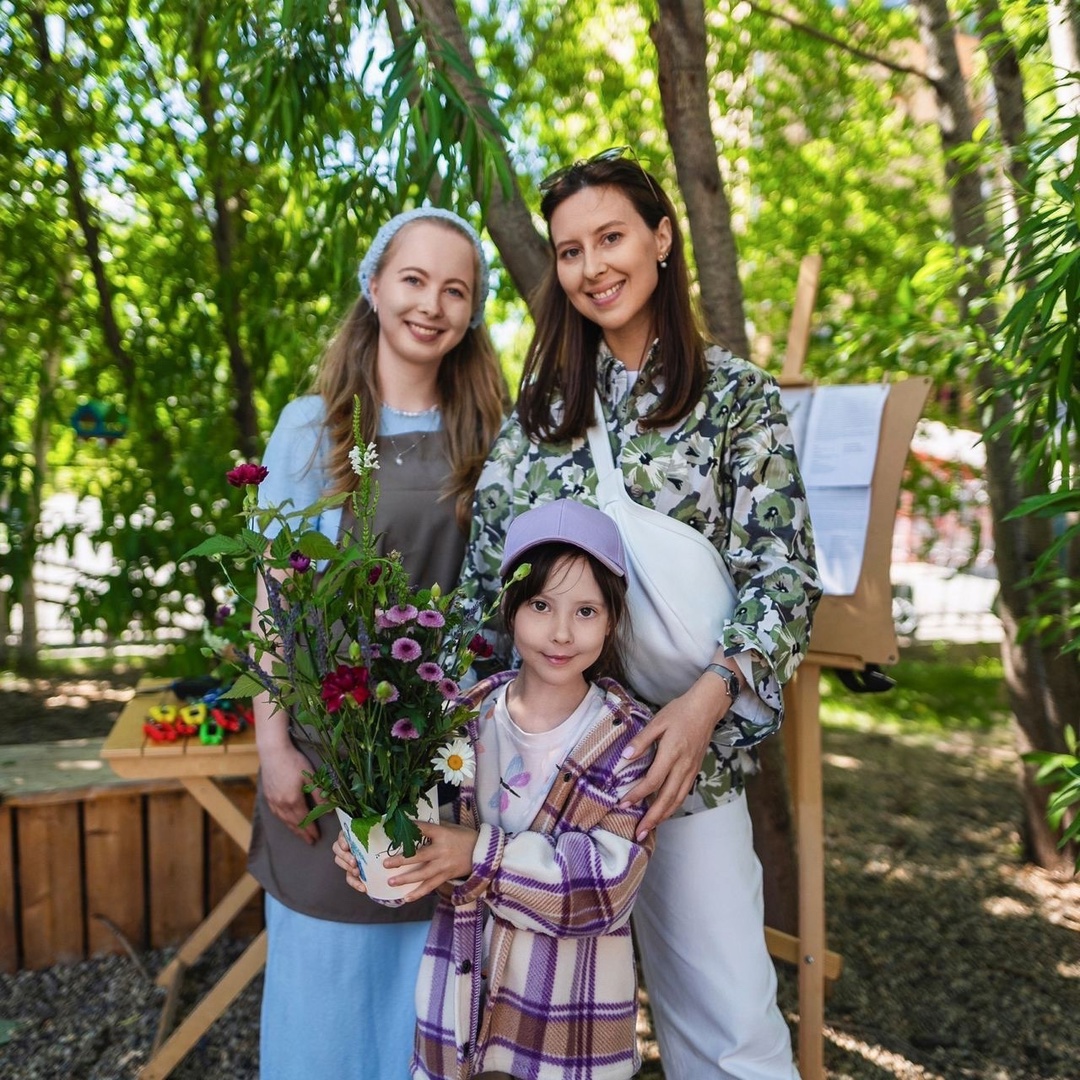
{"x":84,"y":216}
{"x":525,"y":252}
{"x":679,"y":35}
{"x":226,"y":211}
{"x":1063,"y":32}
{"x":1043,"y":684}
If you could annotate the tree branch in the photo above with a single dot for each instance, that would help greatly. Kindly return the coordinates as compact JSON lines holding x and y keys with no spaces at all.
{"x":523,"y":249}
{"x":829,"y":39}
{"x":83,"y":213}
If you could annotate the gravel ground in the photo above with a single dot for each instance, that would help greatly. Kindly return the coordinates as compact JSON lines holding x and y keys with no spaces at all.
{"x":961,"y":963}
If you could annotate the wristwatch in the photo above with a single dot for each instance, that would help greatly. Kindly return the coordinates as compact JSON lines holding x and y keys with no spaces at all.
{"x":729,"y":677}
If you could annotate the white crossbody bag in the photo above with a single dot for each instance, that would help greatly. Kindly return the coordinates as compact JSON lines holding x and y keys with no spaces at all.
{"x":680,"y":591}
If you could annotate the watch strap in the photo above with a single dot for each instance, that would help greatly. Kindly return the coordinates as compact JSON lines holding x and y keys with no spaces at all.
{"x":729,"y":677}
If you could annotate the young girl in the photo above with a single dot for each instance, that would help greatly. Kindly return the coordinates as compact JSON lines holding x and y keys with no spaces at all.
{"x":341,"y":970}
{"x":700,"y":435}
{"x":529,"y":966}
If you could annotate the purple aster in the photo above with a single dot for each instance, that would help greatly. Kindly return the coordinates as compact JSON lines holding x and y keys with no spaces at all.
{"x":404,"y":729}
{"x":400,"y":614}
{"x":449,"y":689}
{"x":429,"y":672}
{"x":431,"y":619}
{"x":405,"y":649}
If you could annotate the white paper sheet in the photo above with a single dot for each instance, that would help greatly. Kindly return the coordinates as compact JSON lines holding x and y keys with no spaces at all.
{"x":836,"y":431}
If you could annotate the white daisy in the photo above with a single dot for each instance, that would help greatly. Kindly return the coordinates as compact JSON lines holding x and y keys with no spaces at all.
{"x":456,"y":761}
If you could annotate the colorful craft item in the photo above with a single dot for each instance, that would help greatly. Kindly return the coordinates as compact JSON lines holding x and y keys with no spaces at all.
{"x":194,"y":713}
{"x":209,"y":715}
{"x":160,"y":732}
{"x":210,"y":734}
{"x":99,"y":420}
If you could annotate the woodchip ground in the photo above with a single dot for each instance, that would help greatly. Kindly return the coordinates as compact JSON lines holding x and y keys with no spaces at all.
{"x":961,"y":962}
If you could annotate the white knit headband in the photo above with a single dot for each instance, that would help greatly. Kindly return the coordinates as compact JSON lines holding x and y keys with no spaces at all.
{"x":369,"y":265}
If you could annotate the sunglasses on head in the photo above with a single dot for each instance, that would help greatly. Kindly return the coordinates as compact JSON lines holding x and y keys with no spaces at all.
{"x":613,"y":153}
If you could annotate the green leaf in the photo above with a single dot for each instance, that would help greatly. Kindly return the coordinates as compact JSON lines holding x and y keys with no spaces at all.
{"x":246,"y":686}
{"x":316,"y":546}
{"x":362,"y":826}
{"x":216,"y":545}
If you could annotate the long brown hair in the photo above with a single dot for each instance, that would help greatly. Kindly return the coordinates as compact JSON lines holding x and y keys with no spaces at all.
{"x":473,"y":397}
{"x":561,"y":361}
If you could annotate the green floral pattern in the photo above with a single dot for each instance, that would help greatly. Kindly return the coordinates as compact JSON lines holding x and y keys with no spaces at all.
{"x":729,"y":471}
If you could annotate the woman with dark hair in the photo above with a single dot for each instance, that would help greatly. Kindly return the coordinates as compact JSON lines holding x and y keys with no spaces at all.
{"x":700,"y":436}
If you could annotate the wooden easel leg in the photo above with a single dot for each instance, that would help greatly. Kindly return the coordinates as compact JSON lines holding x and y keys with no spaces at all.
{"x":210,"y":929}
{"x":803,"y":700}
{"x":207,"y":1011}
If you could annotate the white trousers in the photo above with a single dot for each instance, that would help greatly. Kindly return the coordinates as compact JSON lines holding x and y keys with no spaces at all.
{"x":699,"y":921}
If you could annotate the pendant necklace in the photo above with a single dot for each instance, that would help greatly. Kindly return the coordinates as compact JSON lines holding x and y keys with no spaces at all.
{"x":398,"y":453}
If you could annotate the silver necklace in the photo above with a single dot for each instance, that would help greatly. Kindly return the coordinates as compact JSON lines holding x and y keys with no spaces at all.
{"x":406,"y":412}
{"x":398,"y":453}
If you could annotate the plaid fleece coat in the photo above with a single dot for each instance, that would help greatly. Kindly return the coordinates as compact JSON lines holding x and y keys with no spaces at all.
{"x":561,"y":986}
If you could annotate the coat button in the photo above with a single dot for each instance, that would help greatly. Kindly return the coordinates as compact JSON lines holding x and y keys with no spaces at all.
{"x":465,"y":1048}
{"x":466,"y":967}
{"x":567,"y":777}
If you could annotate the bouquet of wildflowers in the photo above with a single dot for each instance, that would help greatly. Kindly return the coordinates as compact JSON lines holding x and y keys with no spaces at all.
{"x":368,"y":665}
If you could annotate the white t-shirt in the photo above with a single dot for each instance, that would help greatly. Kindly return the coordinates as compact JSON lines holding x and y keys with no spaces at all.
{"x":515,"y":769}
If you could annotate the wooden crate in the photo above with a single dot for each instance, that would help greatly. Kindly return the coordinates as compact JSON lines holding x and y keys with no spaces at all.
{"x":82,"y":866}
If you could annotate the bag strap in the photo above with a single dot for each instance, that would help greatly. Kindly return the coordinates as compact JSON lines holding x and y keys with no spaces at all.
{"x":599,"y":443}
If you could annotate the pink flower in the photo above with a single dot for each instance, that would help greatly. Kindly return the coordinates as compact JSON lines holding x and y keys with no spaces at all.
{"x":383,"y":620}
{"x":405,"y":649}
{"x":481,"y":647}
{"x":429,"y":672}
{"x":299,"y":562}
{"x":405,"y":729}
{"x":247,"y":473}
{"x":431,"y":619}
{"x":344,"y":682}
{"x":449,"y":689}
{"x":400,"y":614}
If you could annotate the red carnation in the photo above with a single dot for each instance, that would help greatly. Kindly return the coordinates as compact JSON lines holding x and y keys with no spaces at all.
{"x":247,"y":473}
{"x":481,"y":647}
{"x":337,"y":685}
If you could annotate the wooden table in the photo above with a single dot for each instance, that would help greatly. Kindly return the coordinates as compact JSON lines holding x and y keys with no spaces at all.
{"x":133,"y":755}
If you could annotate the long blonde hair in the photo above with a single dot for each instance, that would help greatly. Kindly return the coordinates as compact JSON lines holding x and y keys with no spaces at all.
{"x":473,"y":398}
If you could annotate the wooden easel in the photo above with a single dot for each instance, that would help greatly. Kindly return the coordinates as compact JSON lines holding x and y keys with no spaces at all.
{"x":849,"y":632}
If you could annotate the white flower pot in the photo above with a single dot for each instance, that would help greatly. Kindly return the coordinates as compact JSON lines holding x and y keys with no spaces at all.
{"x":370,"y":859}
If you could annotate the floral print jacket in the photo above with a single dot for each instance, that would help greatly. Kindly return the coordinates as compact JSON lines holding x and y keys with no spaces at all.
{"x":729,"y":470}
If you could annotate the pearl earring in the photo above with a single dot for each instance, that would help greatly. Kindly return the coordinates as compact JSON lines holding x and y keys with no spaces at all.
{"x":663,"y":262}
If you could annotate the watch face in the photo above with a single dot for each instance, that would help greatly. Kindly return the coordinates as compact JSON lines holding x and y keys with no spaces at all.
{"x":733,"y":685}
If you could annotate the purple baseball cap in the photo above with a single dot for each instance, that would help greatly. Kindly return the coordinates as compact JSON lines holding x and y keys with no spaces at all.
{"x":565,"y":521}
